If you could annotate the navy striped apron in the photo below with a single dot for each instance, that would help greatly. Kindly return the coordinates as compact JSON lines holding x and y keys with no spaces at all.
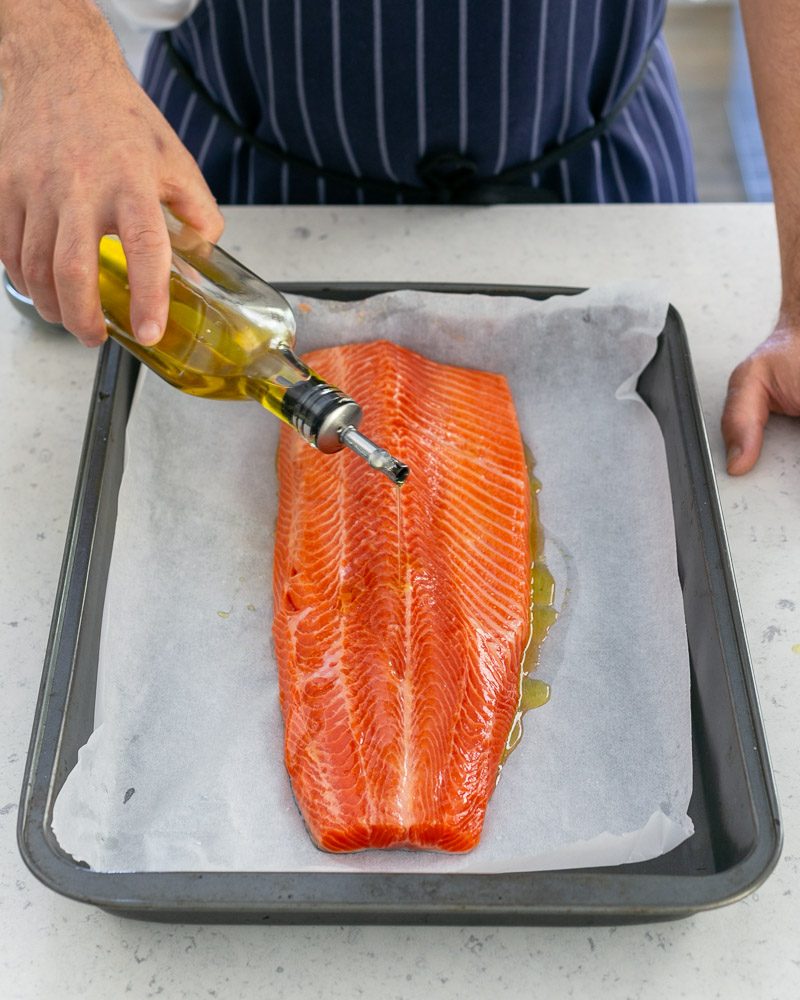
{"x":376,"y":101}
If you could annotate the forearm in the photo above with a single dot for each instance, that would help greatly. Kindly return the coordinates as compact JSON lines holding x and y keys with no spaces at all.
{"x":28,"y":18}
{"x":83,"y":152}
{"x":768,"y":380}
{"x":43,"y":38}
{"x":772,"y":29}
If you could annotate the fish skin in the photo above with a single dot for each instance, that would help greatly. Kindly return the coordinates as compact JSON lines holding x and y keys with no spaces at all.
{"x":401,"y":616}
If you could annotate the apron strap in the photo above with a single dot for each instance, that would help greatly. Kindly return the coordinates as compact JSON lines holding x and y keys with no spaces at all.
{"x":448,"y":178}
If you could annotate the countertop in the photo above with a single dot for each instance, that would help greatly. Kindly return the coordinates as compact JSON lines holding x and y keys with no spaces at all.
{"x":719,"y":266}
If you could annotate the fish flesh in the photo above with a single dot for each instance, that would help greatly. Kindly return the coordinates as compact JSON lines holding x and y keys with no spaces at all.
{"x":402,"y":615}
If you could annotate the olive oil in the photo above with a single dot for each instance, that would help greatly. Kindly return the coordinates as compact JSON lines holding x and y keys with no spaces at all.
{"x":210,"y":347}
{"x":229,"y":335}
{"x":534,"y":693}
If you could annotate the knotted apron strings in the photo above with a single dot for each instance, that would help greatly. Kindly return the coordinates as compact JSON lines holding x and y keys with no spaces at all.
{"x":449,"y":177}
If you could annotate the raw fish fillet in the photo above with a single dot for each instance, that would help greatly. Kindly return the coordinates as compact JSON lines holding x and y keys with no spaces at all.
{"x":401,"y":615}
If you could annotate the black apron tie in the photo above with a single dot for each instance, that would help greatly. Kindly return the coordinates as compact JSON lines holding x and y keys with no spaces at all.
{"x":452,"y":179}
{"x":448,"y":178}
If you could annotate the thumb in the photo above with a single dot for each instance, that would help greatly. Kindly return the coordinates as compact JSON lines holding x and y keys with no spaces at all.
{"x":744,"y":417}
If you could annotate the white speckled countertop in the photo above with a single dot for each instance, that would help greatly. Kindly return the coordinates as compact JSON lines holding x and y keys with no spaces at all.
{"x":719,"y":264}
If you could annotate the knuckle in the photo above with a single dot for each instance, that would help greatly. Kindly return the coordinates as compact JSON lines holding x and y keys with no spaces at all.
{"x":143,"y":239}
{"x":740,"y":374}
{"x":37,"y":270}
{"x":73,"y":269}
{"x":217,"y":225}
{"x":8,"y":179}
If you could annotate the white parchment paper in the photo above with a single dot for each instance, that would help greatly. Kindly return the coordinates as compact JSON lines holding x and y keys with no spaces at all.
{"x":184,"y":770}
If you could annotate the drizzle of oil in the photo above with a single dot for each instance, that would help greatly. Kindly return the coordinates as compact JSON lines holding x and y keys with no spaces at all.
{"x":533,"y":693}
{"x":400,"y":527}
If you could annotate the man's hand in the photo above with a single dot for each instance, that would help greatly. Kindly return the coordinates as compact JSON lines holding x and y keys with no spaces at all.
{"x":84,"y":152}
{"x":768,"y":381}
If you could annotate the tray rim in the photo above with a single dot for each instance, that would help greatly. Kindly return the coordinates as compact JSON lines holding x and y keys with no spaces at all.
{"x":228,"y":895}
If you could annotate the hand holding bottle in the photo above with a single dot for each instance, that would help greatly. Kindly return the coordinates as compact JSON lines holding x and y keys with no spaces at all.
{"x":85,"y":152}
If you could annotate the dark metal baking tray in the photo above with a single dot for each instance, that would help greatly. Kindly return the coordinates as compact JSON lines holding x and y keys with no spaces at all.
{"x":737,"y":837}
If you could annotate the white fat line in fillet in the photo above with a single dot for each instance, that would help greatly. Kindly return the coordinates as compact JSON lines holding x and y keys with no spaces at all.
{"x":537,"y":113}
{"x":504,"y":569}
{"x":463,"y":91}
{"x":230,"y":104}
{"x":486,"y":511}
{"x":486,"y":519}
{"x":380,"y":110}
{"x":503,"y":137}
{"x":662,"y":146}
{"x":406,"y":685}
{"x":421,"y":138}
{"x":337,"y":89}
{"x":648,"y":162}
{"x":349,"y":537}
{"x":503,"y":497}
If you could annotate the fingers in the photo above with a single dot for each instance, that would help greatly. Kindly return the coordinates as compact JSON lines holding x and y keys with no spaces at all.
{"x":192,"y":202}
{"x":12,"y":228}
{"x":744,"y":417}
{"x":143,"y":231}
{"x":36,"y":262}
{"x":75,"y":269}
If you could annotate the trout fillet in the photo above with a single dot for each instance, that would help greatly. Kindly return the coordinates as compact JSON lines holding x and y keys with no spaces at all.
{"x":401,"y":615}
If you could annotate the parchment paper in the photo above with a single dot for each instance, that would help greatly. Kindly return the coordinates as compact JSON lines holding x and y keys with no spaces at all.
{"x":184,"y":770}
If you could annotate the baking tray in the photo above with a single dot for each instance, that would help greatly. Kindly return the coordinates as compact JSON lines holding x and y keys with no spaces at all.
{"x":737,"y":837}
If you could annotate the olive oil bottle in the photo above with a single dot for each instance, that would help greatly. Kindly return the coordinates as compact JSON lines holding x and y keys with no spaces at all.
{"x":229,"y":335}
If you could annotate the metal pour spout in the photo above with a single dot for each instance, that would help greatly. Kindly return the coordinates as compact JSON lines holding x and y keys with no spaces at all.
{"x":377,"y":457}
{"x":329,"y":420}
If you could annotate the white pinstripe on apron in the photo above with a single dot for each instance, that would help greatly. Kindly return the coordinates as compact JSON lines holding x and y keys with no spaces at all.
{"x":367,"y":89}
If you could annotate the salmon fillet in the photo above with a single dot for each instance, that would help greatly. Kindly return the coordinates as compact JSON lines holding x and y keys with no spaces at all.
{"x":401,"y":615}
